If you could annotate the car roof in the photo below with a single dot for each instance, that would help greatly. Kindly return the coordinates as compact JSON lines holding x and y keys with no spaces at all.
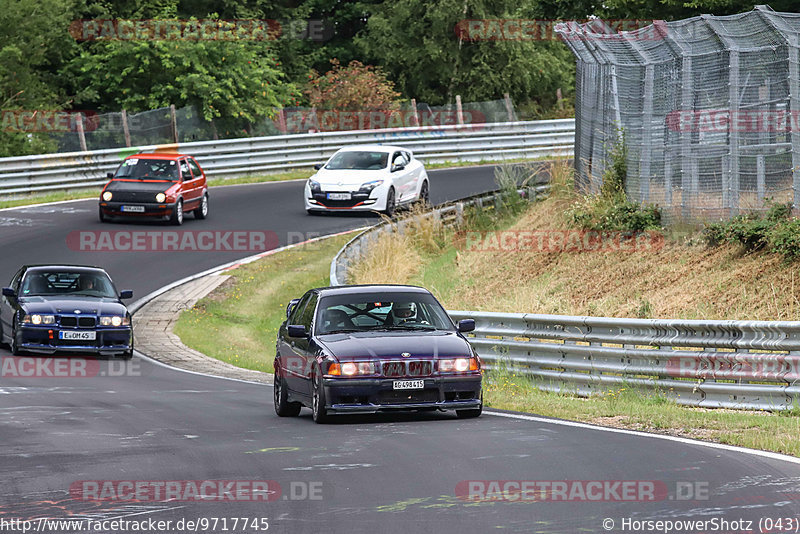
{"x":374,"y":148}
{"x":77,"y":268}
{"x":158,"y":155}
{"x":369,"y":288}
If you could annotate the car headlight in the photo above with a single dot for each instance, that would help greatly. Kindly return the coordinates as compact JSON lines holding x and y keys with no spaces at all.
{"x":351,"y":369}
{"x":161,"y":197}
{"x":39,"y":319}
{"x":114,"y":320}
{"x":458,"y":365}
{"x":314,"y":185}
{"x":369,"y":186}
{"x":107,"y":196}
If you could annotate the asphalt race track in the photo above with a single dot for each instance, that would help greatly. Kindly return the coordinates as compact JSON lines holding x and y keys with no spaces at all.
{"x":138,"y":421}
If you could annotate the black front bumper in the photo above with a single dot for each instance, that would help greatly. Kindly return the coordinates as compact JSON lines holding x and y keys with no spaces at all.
{"x":370,"y":395}
{"x":109,"y":341}
{"x":151,"y":209}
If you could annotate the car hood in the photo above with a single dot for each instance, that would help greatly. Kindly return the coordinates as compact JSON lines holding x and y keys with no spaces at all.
{"x":384,"y":345}
{"x":348,"y":177}
{"x":139,"y":186}
{"x":59,"y":305}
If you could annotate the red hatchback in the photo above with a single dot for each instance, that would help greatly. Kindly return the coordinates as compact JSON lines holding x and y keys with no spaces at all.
{"x":164,"y":186}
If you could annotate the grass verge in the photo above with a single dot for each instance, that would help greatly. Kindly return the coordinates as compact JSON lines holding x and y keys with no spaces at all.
{"x":238,"y":323}
{"x":631,"y":409}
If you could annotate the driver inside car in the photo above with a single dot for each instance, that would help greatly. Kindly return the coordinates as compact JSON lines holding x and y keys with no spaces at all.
{"x":402,"y":312}
{"x":87,"y":283}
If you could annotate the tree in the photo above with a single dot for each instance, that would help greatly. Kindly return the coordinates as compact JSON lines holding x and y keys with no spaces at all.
{"x":355,"y":87}
{"x":420,"y":43}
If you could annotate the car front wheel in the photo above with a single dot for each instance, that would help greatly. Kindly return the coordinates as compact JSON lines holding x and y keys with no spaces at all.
{"x":472,"y":413}
{"x":318,"y":411}
{"x":13,"y":345}
{"x":390,"y":203}
{"x":177,"y":214}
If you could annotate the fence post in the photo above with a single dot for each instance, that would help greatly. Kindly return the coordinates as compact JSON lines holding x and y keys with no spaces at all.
{"x":125,"y":129}
{"x":174,"y":123}
{"x":414,"y":113}
{"x":459,"y":110}
{"x":510,"y":106}
{"x":81,"y":135}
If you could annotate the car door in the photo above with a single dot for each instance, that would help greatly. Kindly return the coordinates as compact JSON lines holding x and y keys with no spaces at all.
{"x":198,"y":174}
{"x":401,"y":177}
{"x":414,"y":168}
{"x":303,"y":348}
{"x":190,"y":186}
{"x":8,"y":306}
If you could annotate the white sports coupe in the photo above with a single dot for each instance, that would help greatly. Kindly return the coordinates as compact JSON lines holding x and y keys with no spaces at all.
{"x":367,"y":178}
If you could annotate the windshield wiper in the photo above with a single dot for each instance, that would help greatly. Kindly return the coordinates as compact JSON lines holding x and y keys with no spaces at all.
{"x":342,"y":331}
{"x":407,"y":327}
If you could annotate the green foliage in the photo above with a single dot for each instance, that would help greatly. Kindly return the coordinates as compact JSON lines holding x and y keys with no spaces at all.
{"x":417,"y":42}
{"x":775,"y":231}
{"x":354,"y":87}
{"x":611,"y":209}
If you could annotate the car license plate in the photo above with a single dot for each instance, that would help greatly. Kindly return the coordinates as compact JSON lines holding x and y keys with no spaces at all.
{"x":408,"y":384}
{"x":88,"y":335}
{"x":133,"y":209}
{"x":339,"y":196}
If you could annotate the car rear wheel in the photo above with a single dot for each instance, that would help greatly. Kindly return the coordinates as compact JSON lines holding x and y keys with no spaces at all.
{"x":390,"y":203}
{"x":425,"y":195}
{"x":202,"y":211}
{"x":283,"y":407}
{"x":318,"y":411}
{"x":177,"y":214}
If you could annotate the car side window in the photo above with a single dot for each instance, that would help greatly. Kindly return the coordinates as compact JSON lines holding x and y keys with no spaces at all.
{"x":407,"y":155}
{"x":185,"y":173}
{"x":307,"y":318}
{"x":15,"y":281}
{"x":195,"y":168}
{"x":398,"y":159}
{"x":294,"y":318}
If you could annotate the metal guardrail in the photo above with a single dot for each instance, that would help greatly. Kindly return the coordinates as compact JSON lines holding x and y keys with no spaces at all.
{"x":716,"y":364}
{"x":259,"y":155}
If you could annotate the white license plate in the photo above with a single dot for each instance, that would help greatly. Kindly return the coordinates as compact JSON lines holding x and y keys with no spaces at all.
{"x":408,"y":384}
{"x":339,"y":196}
{"x":133,"y":209}
{"x":88,"y":335}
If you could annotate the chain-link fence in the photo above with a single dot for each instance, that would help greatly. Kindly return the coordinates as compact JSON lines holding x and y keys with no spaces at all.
{"x":169,"y":125}
{"x":708,"y":107}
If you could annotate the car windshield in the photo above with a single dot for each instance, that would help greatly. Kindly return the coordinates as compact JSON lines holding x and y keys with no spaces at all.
{"x":148,"y":169}
{"x":358,"y":160}
{"x":363,"y":312}
{"x":68,"y":283}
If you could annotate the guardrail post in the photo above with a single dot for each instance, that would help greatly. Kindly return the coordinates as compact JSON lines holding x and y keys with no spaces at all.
{"x":459,"y":111}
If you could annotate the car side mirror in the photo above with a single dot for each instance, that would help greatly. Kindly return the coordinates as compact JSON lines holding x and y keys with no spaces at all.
{"x":297,"y":330}
{"x":466,"y":325}
{"x":398,"y":167}
{"x":9,"y":292}
{"x":318,"y":166}
{"x":109,"y":175}
{"x":127,"y":294}
{"x":290,"y":307}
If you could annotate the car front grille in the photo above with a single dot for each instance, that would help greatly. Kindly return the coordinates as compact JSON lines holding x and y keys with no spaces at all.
{"x":82,"y":322}
{"x":407,"y":368}
{"x":134,"y":196}
{"x":406,"y":396}
{"x":357,"y":199}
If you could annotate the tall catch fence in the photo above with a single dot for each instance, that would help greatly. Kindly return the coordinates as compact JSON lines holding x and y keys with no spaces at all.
{"x":708,"y":107}
{"x":184,"y":125}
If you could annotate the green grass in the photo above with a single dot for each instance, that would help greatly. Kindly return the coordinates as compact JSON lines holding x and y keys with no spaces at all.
{"x":238,"y":323}
{"x":649,"y":412}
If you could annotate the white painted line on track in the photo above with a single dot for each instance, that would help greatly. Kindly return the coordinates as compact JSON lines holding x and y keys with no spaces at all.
{"x":720,"y":446}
